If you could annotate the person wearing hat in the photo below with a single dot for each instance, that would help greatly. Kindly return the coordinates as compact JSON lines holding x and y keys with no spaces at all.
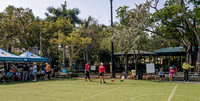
{"x":186,"y":66}
{"x":175,"y":70}
{"x":64,"y":71}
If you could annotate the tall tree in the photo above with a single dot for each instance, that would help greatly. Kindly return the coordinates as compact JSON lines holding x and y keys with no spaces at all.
{"x":74,"y":42}
{"x":91,"y":28}
{"x":71,"y":14}
{"x":20,"y":25}
{"x":177,"y":21}
{"x":131,"y":34}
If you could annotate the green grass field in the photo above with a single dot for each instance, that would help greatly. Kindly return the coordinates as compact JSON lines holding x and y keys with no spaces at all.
{"x":79,"y":90}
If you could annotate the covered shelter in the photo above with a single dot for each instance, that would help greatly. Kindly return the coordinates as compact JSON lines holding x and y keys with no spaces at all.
{"x":143,"y":58}
{"x":30,"y":57}
{"x":170,"y":51}
{"x":169,"y":56}
{"x":136,"y":52}
{"x":6,"y":56}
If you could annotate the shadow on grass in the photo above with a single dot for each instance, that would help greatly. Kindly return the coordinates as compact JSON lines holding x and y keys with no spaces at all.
{"x":39,"y":80}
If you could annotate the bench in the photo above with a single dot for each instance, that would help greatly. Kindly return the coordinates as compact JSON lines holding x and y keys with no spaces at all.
{"x":68,"y":74}
{"x":179,"y":75}
{"x":157,"y":76}
{"x":194,"y":75}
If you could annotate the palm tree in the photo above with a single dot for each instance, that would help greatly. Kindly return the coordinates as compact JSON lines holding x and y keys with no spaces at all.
{"x":72,"y":14}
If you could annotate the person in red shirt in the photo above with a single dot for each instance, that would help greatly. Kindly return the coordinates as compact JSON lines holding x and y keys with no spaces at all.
{"x":87,"y":71}
{"x":14,"y":70}
{"x":101,"y":73}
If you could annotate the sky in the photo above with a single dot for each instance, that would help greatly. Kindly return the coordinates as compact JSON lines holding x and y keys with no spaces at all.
{"x":98,"y":9}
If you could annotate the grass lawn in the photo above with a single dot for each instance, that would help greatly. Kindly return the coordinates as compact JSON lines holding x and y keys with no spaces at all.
{"x":79,"y":90}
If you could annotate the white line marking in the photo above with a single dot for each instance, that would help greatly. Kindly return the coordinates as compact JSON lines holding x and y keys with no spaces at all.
{"x":182,"y":96}
{"x":101,"y":93}
{"x":170,"y":97}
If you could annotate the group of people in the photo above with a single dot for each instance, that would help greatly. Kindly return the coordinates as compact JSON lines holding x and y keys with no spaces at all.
{"x":173,"y":72}
{"x":28,"y":72}
{"x":101,"y":73}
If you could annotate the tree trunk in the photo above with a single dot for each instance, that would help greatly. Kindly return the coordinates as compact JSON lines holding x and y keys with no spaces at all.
{"x":70,"y":61}
{"x":64,"y":54}
{"x":196,"y":39}
{"x":71,"y":49}
{"x":40,"y":45}
{"x":126,"y":63}
{"x":135,"y":64}
{"x":87,"y":53}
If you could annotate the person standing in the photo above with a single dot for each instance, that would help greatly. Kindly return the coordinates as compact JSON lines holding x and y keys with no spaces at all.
{"x":25,"y":73}
{"x":171,"y":73}
{"x":101,"y":73}
{"x":34,"y":71}
{"x":186,"y":66}
{"x":48,"y":71}
{"x":3,"y":76}
{"x":14,"y":70}
{"x":111,"y":68}
{"x":175,"y":70}
{"x":87,"y":71}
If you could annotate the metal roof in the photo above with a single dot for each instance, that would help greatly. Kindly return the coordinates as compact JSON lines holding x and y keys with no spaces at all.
{"x":170,"y":51}
{"x":136,"y":52}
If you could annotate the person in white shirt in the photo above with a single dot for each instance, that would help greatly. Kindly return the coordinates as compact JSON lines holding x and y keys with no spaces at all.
{"x":34,"y":71}
{"x":18,"y":74}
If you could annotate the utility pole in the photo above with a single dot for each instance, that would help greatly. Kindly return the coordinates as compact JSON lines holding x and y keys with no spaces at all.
{"x":112,"y":49}
{"x":40,"y":44}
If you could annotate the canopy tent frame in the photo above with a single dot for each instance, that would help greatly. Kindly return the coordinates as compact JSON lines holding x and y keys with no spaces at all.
{"x":30,"y":57}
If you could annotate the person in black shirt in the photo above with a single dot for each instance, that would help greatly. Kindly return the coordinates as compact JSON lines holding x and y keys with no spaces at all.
{"x":25,"y":72}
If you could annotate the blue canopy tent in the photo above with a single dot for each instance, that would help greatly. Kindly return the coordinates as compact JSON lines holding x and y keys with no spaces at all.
{"x":30,"y":57}
{"x":6,"y":56}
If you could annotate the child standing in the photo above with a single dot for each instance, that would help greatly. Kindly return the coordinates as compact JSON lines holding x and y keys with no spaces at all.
{"x":171,"y":72}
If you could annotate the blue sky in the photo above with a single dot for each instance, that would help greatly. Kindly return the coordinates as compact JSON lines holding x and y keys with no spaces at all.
{"x":99,"y":9}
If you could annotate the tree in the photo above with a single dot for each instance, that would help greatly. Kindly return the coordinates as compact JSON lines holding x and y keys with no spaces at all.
{"x":130,"y":34}
{"x":48,"y":38}
{"x":177,"y":21}
{"x":74,"y":42}
{"x":53,"y":14}
{"x":91,"y":28}
{"x":71,"y":14}
{"x":126,"y":39}
{"x":20,"y":25}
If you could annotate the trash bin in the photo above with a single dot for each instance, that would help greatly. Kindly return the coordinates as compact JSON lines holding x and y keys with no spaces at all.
{"x":140,"y":75}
